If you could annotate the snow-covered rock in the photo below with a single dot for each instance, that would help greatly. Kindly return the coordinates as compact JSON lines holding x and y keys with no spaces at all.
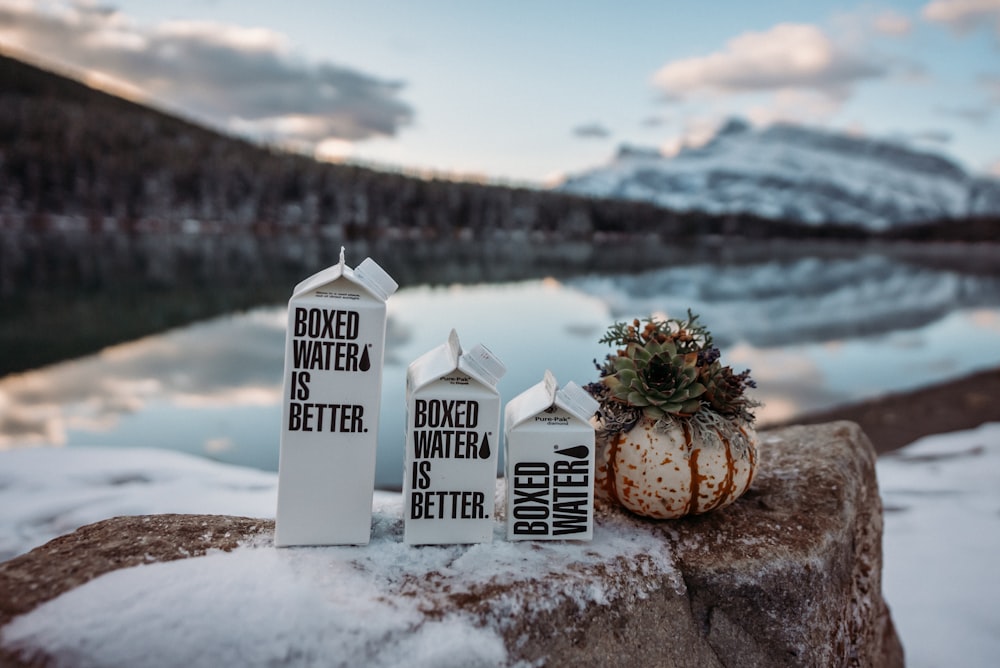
{"x":796,"y":173}
{"x":788,"y":575}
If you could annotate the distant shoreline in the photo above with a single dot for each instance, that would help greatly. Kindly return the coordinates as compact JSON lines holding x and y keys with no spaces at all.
{"x":895,"y":420}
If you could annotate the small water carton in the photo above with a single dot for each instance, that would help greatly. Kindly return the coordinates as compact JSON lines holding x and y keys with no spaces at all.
{"x":452,"y":439}
{"x":549,"y":462}
{"x":334,"y":350}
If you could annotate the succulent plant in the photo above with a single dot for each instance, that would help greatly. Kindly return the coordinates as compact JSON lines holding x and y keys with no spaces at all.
{"x":656,"y":378}
{"x":674,"y":427}
{"x":669,"y":367}
{"x":725,"y":391}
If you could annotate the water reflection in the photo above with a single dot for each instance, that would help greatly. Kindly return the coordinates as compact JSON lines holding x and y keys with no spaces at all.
{"x":815,"y":334}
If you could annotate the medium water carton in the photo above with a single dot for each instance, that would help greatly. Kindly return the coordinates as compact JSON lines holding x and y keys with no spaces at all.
{"x":549,"y":462}
{"x":452,"y":438}
{"x":334,"y":349}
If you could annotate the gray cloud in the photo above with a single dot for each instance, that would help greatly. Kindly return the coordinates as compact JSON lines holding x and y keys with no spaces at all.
{"x":991,"y":84}
{"x":977,"y":115}
{"x":933,"y":136}
{"x":591,"y":131}
{"x":890,"y":22}
{"x":963,"y":16}
{"x":654,"y":122}
{"x":243,"y":79}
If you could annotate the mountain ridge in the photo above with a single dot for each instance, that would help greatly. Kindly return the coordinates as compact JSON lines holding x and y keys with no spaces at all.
{"x":794,"y":172}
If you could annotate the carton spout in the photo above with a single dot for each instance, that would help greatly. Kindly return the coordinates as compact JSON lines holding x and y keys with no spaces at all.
{"x":551,"y":385}
{"x":454,"y":347}
{"x":481,"y":362}
{"x":373,"y":277}
{"x":576,"y":400}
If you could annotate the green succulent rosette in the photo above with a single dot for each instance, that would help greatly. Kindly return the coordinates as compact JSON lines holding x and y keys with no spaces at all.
{"x":657,"y":379}
{"x":667,"y":369}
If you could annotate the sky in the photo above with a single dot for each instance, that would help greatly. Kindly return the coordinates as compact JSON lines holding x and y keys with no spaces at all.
{"x":526,"y":92}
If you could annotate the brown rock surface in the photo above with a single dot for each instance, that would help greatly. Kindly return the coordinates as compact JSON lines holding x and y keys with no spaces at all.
{"x":790,"y":575}
{"x":120,"y":542}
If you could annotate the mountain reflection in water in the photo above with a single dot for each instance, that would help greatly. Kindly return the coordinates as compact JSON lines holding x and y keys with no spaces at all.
{"x":815,"y":333}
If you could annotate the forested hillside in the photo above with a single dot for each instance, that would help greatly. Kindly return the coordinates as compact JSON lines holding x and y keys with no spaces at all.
{"x":71,"y":155}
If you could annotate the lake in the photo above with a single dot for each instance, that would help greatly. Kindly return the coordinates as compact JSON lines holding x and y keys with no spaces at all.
{"x":816,"y":330}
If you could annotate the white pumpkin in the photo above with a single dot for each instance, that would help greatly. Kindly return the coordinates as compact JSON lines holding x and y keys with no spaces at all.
{"x":666,"y":471}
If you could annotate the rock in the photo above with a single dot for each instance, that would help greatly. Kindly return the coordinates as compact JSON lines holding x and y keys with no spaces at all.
{"x":789,"y":575}
{"x":120,"y":542}
{"x":792,"y":574}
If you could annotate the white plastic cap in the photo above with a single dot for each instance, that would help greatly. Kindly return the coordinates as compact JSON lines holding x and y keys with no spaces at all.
{"x":484,"y":364}
{"x":375,"y":278}
{"x":576,"y":400}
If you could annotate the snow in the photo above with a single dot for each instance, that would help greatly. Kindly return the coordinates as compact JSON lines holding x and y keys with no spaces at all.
{"x":785,"y":171}
{"x":942,"y":536}
{"x":304,"y":605}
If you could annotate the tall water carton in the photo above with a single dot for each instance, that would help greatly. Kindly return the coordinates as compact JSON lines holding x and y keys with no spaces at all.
{"x":452,"y":439}
{"x":549,"y":462}
{"x":334,"y":350}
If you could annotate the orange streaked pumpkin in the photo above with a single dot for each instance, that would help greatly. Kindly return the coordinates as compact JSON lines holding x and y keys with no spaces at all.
{"x":669,"y":469}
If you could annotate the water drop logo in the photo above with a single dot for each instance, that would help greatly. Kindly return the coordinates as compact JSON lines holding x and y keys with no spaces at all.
{"x":576,"y":452}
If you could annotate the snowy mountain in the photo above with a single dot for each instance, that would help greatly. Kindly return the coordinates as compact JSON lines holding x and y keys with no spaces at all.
{"x":795,"y":173}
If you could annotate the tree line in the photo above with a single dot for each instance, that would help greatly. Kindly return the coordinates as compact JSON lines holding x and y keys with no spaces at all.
{"x":71,"y":152}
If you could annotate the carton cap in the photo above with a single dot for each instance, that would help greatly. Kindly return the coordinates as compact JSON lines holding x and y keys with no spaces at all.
{"x":577,"y":401}
{"x":572,"y":398}
{"x":375,"y":278}
{"x":482,"y":363}
{"x":368,"y":275}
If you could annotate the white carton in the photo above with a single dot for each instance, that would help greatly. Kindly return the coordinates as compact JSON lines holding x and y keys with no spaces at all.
{"x":549,"y":462}
{"x":452,"y":439}
{"x":334,"y":349}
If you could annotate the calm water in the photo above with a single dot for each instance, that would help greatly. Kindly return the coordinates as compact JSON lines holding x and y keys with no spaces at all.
{"x":815,"y":333}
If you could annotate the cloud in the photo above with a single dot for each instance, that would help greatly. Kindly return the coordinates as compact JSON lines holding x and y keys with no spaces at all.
{"x":793,"y":105}
{"x":788,"y":56}
{"x":892,"y":23}
{"x":696,"y":131}
{"x":931,"y":136}
{"x":242,"y":79}
{"x":221,"y":362}
{"x":591,"y":131}
{"x":654,"y":121}
{"x":977,"y":115}
{"x":991,"y":83}
{"x":963,"y":16}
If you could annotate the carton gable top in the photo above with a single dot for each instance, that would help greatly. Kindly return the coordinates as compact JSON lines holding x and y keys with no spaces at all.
{"x":572,"y":398}
{"x":368,"y":275}
{"x":478,"y":363}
